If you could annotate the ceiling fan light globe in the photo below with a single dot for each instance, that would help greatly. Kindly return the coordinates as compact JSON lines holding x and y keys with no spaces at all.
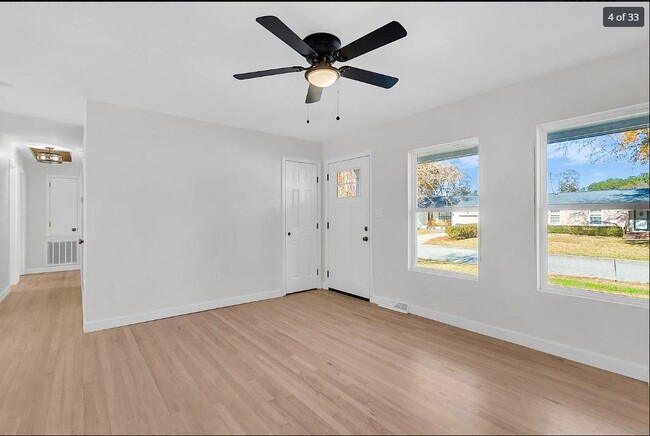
{"x":322,"y":76}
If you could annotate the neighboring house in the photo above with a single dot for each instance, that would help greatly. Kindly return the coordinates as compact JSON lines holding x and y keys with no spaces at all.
{"x":632,"y":221}
{"x":440,"y":220}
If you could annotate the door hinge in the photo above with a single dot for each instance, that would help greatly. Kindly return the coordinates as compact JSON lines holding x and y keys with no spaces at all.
{"x":328,"y":225}
{"x":49,"y":183}
{"x":328,"y":177}
{"x":49,"y":224}
{"x":316,"y":226}
{"x":317,"y":271}
{"x":328,"y":274}
{"x":316,"y":179}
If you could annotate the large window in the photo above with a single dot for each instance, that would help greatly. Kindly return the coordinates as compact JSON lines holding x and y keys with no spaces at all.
{"x":444,"y":209}
{"x":593,"y":206}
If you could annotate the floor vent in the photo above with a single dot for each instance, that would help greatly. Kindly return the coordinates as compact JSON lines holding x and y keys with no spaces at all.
{"x":62,"y":252}
{"x":400,"y":307}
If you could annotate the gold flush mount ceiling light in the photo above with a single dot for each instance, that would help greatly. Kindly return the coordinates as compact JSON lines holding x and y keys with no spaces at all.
{"x":49,"y":156}
{"x":322,"y":76}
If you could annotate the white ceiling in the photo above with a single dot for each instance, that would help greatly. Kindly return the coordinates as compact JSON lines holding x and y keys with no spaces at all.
{"x":179,"y":58}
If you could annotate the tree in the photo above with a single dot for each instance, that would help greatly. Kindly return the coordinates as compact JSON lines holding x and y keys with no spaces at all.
{"x":631,"y":145}
{"x":632,"y":182}
{"x":441,"y":179}
{"x":568,"y":181}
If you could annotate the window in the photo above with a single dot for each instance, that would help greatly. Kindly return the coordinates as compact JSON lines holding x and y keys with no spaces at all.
{"x":595,"y":217}
{"x":554,"y":217}
{"x":593,"y":194}
{"x":640,"y":220}
{"x":348,"y":183}
{"x":444,"y":205}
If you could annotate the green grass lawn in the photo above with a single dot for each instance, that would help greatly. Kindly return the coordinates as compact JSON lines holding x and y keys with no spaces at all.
{"x":466,"y":268}
{"x":600,"y":285}
{"x":574,"y":245}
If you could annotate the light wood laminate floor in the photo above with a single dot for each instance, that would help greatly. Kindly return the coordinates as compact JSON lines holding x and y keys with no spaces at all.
{"x":313,"y":362}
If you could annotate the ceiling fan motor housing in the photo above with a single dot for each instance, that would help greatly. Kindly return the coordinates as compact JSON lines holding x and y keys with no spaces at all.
{"x":325,"y":45}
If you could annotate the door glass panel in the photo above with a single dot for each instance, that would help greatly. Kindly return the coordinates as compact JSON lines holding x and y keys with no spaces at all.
{"x":348,"y":183}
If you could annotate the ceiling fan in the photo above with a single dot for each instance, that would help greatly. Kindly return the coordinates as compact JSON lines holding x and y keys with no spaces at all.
{"x":322,"y":50}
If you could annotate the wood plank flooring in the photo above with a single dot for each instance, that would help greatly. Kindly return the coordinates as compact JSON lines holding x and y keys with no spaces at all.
{"x":313,"y":362}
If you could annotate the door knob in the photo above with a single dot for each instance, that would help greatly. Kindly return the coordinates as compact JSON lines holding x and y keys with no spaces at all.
{"x":289,"y":234}
{"x":81,"y":241}
{"x":74,"y":229}
{"x":365,"y":238}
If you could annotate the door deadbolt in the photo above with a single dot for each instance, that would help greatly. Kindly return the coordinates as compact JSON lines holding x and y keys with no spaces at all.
{"x":289,"y":234}
{"x":365,"y":238}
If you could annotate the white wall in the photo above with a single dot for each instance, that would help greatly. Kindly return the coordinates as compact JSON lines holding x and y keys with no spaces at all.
{"x":172,"y":201}
{"x":5,"y":156}
{"x":36,"y":226}
{"x":504,"y":301}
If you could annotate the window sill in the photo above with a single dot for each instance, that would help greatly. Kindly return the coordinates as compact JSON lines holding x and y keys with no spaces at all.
{"x":440,"y":272}
{"x":594,"y":295}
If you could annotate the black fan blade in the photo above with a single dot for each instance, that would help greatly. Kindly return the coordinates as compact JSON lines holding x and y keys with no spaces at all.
{"x":313,"y":94}
{"x":254,"y":74}
{"x":279,"y":29}
{"x":391,"y":32}
{"x":368,"y":77}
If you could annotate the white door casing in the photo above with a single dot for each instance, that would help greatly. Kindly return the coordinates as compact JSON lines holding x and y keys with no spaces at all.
{"x":348,"y":233}
{"x":63,"y":206}
{"x":301,"y":226}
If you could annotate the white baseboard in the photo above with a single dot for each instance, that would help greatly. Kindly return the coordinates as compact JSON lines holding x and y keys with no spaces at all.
{"x":608,"y":363}
{"x":103,"y":324}
{"x":4,"y":293}
{"x":51,"y":269}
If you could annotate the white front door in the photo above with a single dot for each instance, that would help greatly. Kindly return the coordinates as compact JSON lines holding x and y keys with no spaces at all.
{"x":348,"y":232}
{"x":63,"y":206}
{"x":302,"y":228}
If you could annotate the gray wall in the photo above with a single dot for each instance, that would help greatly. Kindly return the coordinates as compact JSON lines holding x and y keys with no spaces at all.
{"x":36,"y":226}
{"x":506,"y":295}
{"x":172,"y":201}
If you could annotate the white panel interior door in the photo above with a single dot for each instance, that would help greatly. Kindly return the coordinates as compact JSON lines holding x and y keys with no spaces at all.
{"x":301,"y":225}
{"x":63,"y":206}
{"x":349,"y":220}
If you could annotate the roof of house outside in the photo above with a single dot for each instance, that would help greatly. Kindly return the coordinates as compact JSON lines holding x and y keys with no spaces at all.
{"x":601,"y":197}
{"x":611,"y":196}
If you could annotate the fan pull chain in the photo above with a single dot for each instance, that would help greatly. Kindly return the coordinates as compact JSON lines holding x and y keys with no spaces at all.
{"x":338,"y":88}
{"x":307,"y":107}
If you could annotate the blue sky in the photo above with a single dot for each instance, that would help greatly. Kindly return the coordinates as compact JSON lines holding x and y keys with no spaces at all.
{"x":578,"y":159}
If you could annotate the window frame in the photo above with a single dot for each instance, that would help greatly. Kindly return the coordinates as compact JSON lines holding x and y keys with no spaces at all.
{"x":554,"y":213}
{"x":413,"y":209}
{"x":596,"y":213}
{"x":542,"y":207}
